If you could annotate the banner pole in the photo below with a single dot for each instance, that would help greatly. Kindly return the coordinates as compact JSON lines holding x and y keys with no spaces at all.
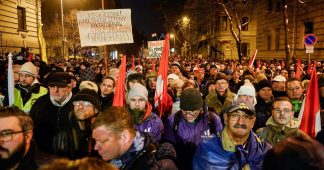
{"x":105,"y":46}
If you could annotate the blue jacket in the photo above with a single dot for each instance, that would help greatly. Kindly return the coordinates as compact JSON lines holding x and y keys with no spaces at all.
{"x":153,"y":124}
{"x":211,"y":155}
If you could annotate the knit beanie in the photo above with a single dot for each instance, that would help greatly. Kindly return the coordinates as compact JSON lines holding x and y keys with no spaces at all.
{"x":29,"y":68}
{"x":191,"y":100}
{"x":88,"y":85}
{"x":247,"y":89}
{"x":137,"y":90}
{"x":262,"y":84}
{"x":88,"y":95}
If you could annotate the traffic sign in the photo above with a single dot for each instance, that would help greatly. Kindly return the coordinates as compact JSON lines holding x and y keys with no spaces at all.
{"x":309,"y":49}
{"x":310,"y":40}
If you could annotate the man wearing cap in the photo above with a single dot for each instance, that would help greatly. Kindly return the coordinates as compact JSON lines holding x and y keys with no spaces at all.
{"x":28,"y":89}
{"x":222,"y":97}
{"x":246,"y":93}
{"x":151,"y":86}
{"x":188,"y":127}
{"x":236,"y":146}
{"x":50,"y":112}
{"x":282,"y":123}
{"x":141,"y":110}
{"x":279,"y":86}
{"x":295,"y":92}
{"x":86,"y":107}
{"x":176,"y":69}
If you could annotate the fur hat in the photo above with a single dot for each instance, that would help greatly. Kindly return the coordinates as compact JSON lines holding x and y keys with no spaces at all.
{"x":220,"y":76}
{"x":88,"y":85}
{"x":88,"y":95}
{"x":29,"y":68}
{"x":191,"y":100}
{"x":137,"y":90}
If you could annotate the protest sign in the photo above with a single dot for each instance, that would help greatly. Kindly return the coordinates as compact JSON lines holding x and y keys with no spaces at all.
{"x":104,"y":27}
{"x":155,"y":48}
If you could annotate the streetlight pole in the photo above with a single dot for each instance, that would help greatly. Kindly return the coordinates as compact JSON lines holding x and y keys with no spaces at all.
{"x":63,"y":37}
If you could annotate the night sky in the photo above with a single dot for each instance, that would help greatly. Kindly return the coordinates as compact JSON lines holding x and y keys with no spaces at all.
{"x":144,"y":18}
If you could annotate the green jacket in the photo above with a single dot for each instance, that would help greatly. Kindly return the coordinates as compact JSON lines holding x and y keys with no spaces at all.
{"x":34,"y":96}
{"x":274,"y":133}
{"x":213,"y":102}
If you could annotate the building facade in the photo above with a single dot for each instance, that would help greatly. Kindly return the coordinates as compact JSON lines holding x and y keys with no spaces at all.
{"x":19,"y":20}
{"x":214,"y":38}
{"x":304,"y":17}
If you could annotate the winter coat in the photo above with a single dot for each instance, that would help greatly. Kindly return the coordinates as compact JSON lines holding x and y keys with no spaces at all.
{"x":213,"y":102}
{"x":211,"y":154}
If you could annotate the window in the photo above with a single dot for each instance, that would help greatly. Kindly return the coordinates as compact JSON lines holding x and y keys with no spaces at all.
{"x":245,"y":49}
{"x":277,"y":38}
{"x":217,"y":24}
{"x":21,"y":18}
{"x":278,"y":5}
{"x":224,"y":23}
{"x":270,"y":5}
{"x":245,"y":27}
{"x":309,"y":27}
{"x":269,"y":40}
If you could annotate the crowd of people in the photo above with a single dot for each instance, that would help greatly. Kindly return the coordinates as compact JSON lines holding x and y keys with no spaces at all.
{"x":219,"y":115}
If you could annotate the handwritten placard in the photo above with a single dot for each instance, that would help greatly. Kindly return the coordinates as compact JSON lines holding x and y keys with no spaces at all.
{"x":155,"y":48}
{"x":104,"y":27}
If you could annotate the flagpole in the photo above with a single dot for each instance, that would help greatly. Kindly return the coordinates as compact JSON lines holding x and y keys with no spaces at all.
{"x":105,"y":47}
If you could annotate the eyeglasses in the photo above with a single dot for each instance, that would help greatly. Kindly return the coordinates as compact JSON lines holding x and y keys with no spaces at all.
{"x":7,"y":136}
{"x":191,"y":113}
{"x":83,"y":103}
{"x":292,"y":89}
{"x":221,"y":83}
{"x":236,"y":117}
{"x":278,"y":111}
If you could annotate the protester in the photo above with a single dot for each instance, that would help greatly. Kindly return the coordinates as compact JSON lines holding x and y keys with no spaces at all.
{"x":236,"y":146}
{"x":50,"y":114}
{"x":107,"y":88}
{"x":141,"y":110}
{"x":119,"y":143}
{"x":188,"y":127}
{"x":296,"y":153}
{"x":282,"y":123}
{"x":295,"y":92}
{"x":28,"y":89}
{"x":17,"y":150}
{"x":279,"y":86}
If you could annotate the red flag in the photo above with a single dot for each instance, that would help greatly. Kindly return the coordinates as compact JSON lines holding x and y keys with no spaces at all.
{"x":161,"y":92}
{"x":253,"y":58}
{"x":298,"y":74}
{"x":133,"y":63}
{"x":30,"y":57}
{"x":119,"y":97}
{"x":310,"y":111}
{"x":309,"y":68}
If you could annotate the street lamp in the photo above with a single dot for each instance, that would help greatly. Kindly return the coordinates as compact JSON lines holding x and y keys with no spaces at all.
{"x":63,"y":37}
{"x":174,"y":43}
{"x":186,"y":24}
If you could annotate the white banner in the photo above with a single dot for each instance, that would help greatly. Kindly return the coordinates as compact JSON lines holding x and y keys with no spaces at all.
{"x":104,"y":27}
{"x":155,"y":48}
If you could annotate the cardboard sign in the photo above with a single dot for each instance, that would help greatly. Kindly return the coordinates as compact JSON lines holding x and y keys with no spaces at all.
{"x":155,"y":48}
{"x":104,"y":27}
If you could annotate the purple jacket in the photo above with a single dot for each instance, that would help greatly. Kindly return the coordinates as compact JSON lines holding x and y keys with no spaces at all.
{"x":191,"y":132}
{"x":153,"y":124}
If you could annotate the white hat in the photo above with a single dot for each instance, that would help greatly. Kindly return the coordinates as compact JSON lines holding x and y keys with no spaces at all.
{"x":88,"y":85}
{"x":173,"y":76}
{"x":137,"y":90}
{"x":29,"y":68}
{"x":279,"y":78}
{"x":248,"y":90}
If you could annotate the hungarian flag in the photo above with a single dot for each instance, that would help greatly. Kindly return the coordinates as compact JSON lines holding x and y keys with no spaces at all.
{"x":298,"y":74}
{"x":283,"y":64}
{"x":253,"y":58}
{"x":161,"y":92}
{"x":119,"y":97}
{"x":309,"y":68}
{"x":310,"y":111}
{"x":153,"y":65}
{"x":133,"y":63}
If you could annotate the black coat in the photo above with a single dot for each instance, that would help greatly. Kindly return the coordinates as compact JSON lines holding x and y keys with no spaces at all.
{"x":48,"y":120}
{"x":263,"y":112}
{"x":28,"y":162}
